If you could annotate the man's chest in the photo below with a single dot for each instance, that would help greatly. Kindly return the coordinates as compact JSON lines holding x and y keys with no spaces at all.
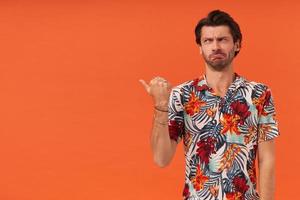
{"x":233,"y":118}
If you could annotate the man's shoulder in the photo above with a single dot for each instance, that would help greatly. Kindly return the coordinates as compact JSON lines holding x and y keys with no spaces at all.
{"x":184,"y":85}
{"x":255,"y":85}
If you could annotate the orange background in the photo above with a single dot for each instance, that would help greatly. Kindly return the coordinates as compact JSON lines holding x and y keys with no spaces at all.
{"x":75,"y":121}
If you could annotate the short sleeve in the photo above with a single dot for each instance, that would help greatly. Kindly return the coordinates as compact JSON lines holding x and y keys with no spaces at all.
{"x":267,"y":122}
{"x":176,"y":120}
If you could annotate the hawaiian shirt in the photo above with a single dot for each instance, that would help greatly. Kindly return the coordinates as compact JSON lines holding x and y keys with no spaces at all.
{"x":220,"y":136}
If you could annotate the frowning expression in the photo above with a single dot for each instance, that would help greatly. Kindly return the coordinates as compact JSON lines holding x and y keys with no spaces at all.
{"x":217,"y":46}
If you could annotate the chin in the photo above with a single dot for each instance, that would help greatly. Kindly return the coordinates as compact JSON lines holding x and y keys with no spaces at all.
{"x":218,"y":66}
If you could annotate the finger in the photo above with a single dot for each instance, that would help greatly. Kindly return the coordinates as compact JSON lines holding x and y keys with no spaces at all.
{"x":158,"y":78}
{"x":146,"y":86}
{"x":165,"y":84}
{"x":153,"y":81}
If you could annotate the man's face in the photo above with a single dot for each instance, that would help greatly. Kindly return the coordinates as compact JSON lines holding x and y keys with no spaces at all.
{"x":217,"y":46}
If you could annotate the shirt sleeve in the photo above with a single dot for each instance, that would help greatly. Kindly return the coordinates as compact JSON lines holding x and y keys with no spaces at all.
{"x":176,"y":118}
{"x":267,"y":122}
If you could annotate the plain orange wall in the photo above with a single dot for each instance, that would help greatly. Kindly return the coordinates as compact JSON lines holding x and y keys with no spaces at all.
{"x":75,"y":121}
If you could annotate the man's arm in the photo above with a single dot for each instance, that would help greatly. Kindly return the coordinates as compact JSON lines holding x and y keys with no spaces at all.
{"x":266,"y":162}
{"x":163,"y":147}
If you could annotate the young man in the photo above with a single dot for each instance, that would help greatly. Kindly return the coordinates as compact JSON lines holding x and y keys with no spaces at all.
{"x":223,"y":119}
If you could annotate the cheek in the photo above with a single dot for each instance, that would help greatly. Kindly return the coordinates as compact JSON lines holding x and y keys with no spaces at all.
{"x":230,"y":49}
{"x":204,"y":51}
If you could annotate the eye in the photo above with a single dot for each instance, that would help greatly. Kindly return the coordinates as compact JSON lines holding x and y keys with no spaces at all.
{"x":205,"y":41}
{"x":223,"y":39}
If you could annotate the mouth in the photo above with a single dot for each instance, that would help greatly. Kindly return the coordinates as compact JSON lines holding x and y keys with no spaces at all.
{"x":217,"y":56}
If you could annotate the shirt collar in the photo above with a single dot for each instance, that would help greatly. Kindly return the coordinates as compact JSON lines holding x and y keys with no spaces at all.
{"x":201,"y":83}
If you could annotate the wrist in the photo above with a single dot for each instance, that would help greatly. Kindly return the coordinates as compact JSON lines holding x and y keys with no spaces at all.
{"x":161,"y":109}
{"x":161,"y":103}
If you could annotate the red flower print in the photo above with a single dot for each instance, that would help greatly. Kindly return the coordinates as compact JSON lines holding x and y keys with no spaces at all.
{"x":230,"y":123}
{"x":193,"y":105}
{"x":202,"y":87}
{"x":234,"y":196}
{"x":252,"y":175}
{"x":240,"y":184}
{"x":175,"y":129}
{"x":205,"y":149}
{"x":240,"y":109}
{"x":199,"y":180}
{"x":262,"y":101}
{"x":267,"y":98}
{"x":186,"y":191}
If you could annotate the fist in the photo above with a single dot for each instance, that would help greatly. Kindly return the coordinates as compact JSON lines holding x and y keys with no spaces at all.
{"x":159,"y":88}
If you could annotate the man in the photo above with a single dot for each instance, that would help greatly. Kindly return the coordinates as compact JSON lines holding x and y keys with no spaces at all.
{"x":223,"y":119}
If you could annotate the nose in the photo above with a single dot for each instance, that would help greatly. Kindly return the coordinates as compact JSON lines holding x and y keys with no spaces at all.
{"x":215,"y":45}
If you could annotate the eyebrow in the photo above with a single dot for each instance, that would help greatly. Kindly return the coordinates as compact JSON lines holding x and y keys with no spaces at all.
{"x":218,"y":38}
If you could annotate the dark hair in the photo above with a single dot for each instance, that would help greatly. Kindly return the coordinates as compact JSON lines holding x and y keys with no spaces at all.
{"x":218,"y":18}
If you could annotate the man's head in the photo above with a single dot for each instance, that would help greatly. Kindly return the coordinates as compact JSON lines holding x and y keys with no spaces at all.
{"x":219,"y":38}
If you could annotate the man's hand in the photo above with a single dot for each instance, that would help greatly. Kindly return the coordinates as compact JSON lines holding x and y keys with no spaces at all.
{"x":159,"y":89}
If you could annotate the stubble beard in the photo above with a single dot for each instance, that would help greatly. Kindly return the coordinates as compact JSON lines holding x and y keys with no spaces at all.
{"x":220,"y":64}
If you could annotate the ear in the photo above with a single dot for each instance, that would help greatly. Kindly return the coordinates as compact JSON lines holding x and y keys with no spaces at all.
{"x":237,"y":45}
{"x":200,"y":49}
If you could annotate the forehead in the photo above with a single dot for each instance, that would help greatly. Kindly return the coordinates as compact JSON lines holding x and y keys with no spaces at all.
{"x":215,"y":31}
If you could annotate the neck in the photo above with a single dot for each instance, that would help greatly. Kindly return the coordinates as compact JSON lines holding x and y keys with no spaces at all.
{"x":220,"y":81}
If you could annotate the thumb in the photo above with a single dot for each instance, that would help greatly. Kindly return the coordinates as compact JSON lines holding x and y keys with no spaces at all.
{"x":146,"y":86}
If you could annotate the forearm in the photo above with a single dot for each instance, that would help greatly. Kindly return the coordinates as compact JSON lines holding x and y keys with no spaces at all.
{"x":161,"y":143}
{"x":267,"y":179}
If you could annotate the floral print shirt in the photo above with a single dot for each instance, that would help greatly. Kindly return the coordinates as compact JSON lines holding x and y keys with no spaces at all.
{"x":221,"y":136}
